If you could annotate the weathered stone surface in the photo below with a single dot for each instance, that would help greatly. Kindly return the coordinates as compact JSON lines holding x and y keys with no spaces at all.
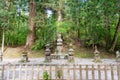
{"x":24,"y":57}
{"x":71,"y":54}
{"x":47,"y":54}
{"x":117,"y":56}
{"x":96,"y":55}
{"x":58,"y":52}
{"x":59,"y":44}
{"x":59,"y":56}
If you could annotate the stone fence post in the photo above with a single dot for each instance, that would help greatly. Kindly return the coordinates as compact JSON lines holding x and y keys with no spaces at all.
{"x":1,"y":72}
{"x":118,"y":71}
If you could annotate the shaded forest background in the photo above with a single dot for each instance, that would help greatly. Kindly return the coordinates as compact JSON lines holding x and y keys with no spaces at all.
{"x":85,"y":22}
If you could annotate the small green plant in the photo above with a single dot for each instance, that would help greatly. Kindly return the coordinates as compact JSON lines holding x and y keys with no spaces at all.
{"x":22,"y":61}
{"x":56,"y":51}
{"x":59,"y":72}
{"x":46,"y":76}
{"x":71,"y":60}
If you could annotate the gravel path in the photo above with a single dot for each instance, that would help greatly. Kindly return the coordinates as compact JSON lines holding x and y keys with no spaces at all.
{"x":62,"y":61}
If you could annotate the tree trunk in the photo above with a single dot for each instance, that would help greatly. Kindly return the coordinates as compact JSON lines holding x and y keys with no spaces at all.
{"x":59,"y":15}
{"x":108,"y":37}
{"x":2,"y":50}
{"x":115,"y":38}
{"x":77,"y":29}
{"x":59,"y":12}
{"x":77,"y":22}
{"x":31,"y":36}
{"x":2,"y":43}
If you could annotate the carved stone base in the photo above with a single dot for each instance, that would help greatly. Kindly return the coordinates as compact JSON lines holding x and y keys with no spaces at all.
{"x":24,"y":57}
{"x":71,"y":59}
{"x":59,"y":56}
{"x":47,"y":59}
{"x":118,"y":59}
{"x":97,"y":59}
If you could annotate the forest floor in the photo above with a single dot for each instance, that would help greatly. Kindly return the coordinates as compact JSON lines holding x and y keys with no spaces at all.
{"x":15,"y":52}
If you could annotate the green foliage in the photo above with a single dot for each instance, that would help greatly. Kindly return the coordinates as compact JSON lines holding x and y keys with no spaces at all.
{"x":89,"y":20}
{"x":46,"y":76}
{"x":17,"y":36}
{"x":59,"y":72}
{"x":92,"y":19}
{"x":64,"y":27}
{"x":14,"y":24}
{"x":46,"y":34}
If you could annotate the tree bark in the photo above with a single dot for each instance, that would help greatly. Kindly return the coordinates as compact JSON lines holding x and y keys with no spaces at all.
{"x":59,"y":15}
{"x":59,"y":12}
{"x":2,"y":43}
{"x":115,"y":38}
{"x":32,"y":26}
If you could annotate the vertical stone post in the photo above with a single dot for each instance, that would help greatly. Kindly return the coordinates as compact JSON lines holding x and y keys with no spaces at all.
{"x":47,"y":54}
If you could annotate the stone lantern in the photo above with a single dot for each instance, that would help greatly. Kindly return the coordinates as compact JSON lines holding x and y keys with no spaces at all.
{"x":47,"y":54}
{"x":71,"y":54}
{"x":96,"y":55}
{"x":1,"y":56}
{"x":24,"y":57}
{"x":117,"y":56}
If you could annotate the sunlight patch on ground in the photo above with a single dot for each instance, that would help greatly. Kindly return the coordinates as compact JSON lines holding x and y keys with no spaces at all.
{"x":16,"y":53}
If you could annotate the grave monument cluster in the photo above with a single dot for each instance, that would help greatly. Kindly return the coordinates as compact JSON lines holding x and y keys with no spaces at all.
{"x":58,"y":54}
